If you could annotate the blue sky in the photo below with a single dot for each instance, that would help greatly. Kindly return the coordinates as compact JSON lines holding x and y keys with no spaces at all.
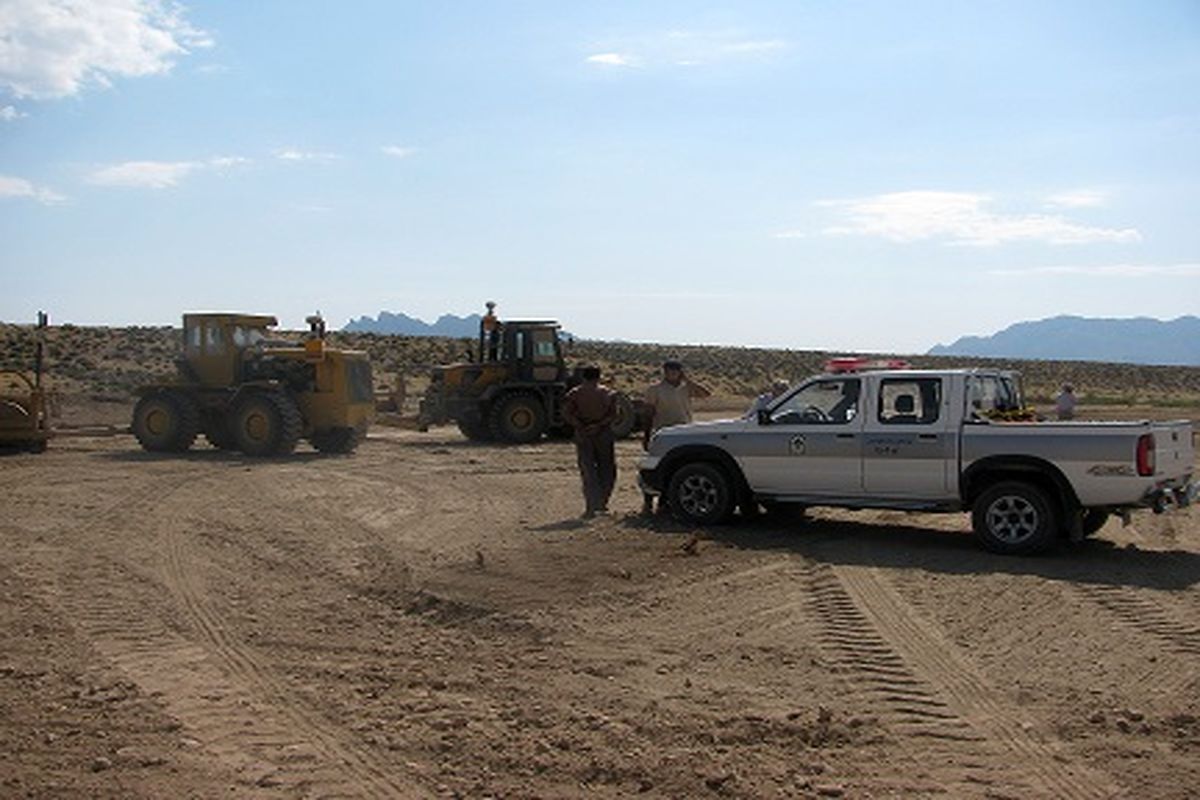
{"x":860,"y":175}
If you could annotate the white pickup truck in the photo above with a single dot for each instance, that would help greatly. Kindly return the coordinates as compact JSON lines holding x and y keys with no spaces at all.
{"x":924,"y":440}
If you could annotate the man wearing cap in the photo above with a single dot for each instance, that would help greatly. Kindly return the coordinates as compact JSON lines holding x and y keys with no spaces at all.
{"x":669,"y":402}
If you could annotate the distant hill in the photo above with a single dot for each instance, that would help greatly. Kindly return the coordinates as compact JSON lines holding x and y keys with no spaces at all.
{"x":1139,"y":340}
{"x":404,"y":325}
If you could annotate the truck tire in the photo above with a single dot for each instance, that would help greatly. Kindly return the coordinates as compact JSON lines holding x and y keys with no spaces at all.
{"x":626,"y":419}
{"x":701,"y":493}
{"x":518,"y":418}
{"x":267,"y":424}
{"x":166,"y":422}
{"x":1014,"y":518}
{"x":336,"y":440}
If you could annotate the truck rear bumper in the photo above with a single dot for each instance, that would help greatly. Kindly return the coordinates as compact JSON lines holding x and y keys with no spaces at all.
{"x":1163,"y":498}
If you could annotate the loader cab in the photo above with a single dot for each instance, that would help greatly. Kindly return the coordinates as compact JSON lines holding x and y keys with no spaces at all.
{"x":530,"y":349}
{"x":213,"y":344}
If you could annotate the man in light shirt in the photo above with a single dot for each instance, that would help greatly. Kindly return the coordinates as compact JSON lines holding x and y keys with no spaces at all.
{"x":669,"y":402}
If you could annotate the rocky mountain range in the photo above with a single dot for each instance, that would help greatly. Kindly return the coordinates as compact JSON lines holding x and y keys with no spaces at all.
{"x":1139,"y":340}
{"x":404,"y":325}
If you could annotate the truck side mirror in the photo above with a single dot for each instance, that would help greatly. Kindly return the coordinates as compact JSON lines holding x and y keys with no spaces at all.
{"x":764,"y":416}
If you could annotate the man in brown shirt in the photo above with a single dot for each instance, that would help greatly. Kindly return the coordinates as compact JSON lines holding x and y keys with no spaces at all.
{"x":590,"y":409}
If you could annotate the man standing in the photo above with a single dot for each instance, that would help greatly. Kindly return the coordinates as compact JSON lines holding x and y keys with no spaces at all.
{"x":590,"y":409}
{"x":1064,"y":406}
{"x":669,"y":402}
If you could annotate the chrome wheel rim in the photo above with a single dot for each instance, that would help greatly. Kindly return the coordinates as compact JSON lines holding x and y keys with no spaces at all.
{"x":1012,"y":518}
{"x":698,"y":495}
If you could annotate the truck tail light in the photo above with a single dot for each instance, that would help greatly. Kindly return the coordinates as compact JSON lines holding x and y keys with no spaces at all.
{"x":1145,"y":454}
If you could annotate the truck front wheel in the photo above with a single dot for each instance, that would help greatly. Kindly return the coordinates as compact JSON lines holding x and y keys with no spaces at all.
{"x":1014,"y":518}
{"x":701,"y":493}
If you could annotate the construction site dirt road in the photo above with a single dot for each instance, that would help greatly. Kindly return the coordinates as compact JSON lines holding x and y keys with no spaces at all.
{"x":429,"y":617}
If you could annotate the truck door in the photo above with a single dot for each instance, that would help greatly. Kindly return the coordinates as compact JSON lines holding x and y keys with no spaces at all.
{"x":812,"y":445}
{"x":908,"y":442}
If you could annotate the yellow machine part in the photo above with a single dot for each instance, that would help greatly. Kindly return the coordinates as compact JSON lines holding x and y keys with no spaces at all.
{"x":472,"y":377}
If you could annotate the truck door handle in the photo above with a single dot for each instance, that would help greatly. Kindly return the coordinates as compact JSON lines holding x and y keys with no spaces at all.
{"x":845,"y":436}
{"x":927,"y":436}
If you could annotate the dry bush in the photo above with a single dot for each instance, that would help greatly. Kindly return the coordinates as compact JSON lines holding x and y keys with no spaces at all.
{"x":114,"y":361}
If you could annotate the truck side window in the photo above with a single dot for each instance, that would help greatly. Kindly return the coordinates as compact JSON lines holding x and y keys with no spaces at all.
{"x":826,"y":402}
{"x":910,"y":401}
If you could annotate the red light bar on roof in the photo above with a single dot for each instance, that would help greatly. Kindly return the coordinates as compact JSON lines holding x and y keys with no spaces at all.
{"x":858,"y":364}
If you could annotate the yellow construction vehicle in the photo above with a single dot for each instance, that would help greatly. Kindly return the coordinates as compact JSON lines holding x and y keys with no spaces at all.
{"x":511,"y":388}
{"x":246,"y":391}
{"x":24,"y":406}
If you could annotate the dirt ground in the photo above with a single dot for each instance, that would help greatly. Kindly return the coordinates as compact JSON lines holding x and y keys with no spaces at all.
{"x":430,"y":618}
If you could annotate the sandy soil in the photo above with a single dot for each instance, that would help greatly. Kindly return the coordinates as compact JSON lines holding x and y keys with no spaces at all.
{"x":430,"y":618}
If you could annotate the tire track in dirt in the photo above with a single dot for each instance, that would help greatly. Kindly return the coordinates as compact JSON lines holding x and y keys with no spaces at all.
{"x":915,"y":666}
{"x":229,"y":703}
{"x":1151,"y":619}
{"x":338,"y":768}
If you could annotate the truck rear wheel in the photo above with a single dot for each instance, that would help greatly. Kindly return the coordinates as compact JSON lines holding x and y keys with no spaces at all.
{"x":1014,"y":518}
{"x":266,"y":424}
{"x":701,"y":493}
{"x":166,"y":422}
{"x":518,"y":418}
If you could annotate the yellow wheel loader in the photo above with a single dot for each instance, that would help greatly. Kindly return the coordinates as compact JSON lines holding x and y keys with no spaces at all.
{"x":24,"y":406}
{"x":247,"y":391}
{"x":512,"y":387}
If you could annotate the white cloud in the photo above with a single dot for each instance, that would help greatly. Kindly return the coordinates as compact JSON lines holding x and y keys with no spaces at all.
{"x":54,"y":48}
{"x":9,"y":113}
{"x":1078,"y":198}
{"x":294,"y":154}
{"x":19,"y":187}
{"x":610,"y":59}
{"x":397,"y":151}
{"x":960,"y":218}
{"x":224,"y":162}
{"x":1111,"y":270}
{"x":683,"y":48}
{"x":158,"y":174}
{"x":789,"y":235}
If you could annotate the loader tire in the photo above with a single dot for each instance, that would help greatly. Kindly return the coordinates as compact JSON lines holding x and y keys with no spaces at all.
{"x":518,"y":418}
{"x":336,"y":440}
{"x":166,"y":422}
{"x":267,"y":424}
